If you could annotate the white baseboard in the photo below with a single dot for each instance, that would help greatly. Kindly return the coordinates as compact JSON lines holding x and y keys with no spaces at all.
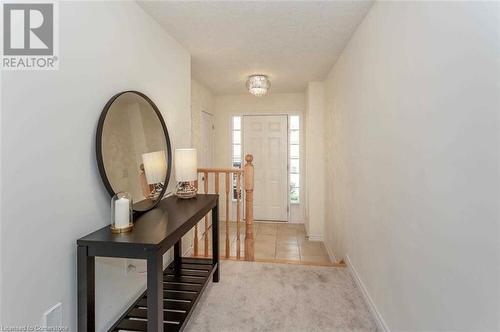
{"x":381,"y":325}
{"x":330,"y":253}
{"x":315,"y":237}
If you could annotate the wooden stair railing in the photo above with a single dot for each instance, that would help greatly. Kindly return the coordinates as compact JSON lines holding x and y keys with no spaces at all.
{"x":228,"y":173}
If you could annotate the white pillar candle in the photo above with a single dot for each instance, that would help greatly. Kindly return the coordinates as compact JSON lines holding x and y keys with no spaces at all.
{"x":122,"y":212}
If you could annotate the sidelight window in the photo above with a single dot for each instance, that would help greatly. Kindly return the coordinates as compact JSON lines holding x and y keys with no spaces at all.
{"x":294,"y":162}
{"x":236,"y":150}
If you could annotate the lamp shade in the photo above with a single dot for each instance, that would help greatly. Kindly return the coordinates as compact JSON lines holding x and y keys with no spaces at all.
{"x":155,"y":166}
{"x":186,"y":165}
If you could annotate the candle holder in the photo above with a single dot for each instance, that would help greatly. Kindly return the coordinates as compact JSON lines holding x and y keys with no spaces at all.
{"x":121,"y":213}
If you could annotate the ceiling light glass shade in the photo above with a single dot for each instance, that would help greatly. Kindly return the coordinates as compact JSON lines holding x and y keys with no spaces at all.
{"x":258,"y":85}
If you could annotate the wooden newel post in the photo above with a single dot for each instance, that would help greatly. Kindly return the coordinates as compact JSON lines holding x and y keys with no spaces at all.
{"x":249,"y":241}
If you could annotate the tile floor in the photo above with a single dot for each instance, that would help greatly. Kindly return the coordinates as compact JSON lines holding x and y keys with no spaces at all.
{"x":279,"y":242}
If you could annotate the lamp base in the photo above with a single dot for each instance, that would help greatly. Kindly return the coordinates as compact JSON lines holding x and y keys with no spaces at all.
{"x":156,"y":190}
{"x":185,"y":190}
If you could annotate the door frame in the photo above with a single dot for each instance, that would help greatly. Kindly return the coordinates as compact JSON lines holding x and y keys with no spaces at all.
{"x":286,"y":115}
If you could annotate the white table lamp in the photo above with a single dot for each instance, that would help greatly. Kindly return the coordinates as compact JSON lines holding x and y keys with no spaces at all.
{"x":186,"y":170}
{"x":155,"y":166}
{"x":155,"y":170}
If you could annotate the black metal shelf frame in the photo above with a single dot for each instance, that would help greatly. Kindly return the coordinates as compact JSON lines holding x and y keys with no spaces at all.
{"x":182,"y":288}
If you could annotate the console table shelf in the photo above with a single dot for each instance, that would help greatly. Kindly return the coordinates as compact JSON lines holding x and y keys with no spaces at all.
{"x":181,"y":290}
{"x":172,"y":293}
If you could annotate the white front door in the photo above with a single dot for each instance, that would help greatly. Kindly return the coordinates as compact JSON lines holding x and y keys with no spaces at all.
{"x":265,"y":137}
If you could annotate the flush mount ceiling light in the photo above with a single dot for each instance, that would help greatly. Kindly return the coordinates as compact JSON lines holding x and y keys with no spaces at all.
{"x":258,"y":85}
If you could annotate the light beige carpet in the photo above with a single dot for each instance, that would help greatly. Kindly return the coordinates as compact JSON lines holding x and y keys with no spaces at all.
{"x":279,"y":297}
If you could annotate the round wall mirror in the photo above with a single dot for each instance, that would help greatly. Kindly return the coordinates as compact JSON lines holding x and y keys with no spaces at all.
{"x":133,"y":149}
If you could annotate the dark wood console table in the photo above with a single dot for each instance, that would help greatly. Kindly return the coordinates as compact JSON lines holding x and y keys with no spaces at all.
{"x":176,"y":288}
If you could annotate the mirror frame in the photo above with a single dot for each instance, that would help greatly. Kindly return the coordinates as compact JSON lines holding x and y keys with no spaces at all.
{"x":100,"y":161}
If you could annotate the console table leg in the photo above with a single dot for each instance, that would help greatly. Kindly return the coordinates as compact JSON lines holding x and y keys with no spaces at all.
{"x":215,"y":241}
{"x":86,"y":290}
{"x":178,"y":255}
{"x":155,"y":292}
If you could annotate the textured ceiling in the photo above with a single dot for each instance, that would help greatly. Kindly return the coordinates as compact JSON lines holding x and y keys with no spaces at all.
{"x":293,"y":42}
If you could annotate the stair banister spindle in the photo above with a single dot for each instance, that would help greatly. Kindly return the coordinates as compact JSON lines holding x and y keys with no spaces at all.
{"x":216,"y":182}
{"x":227,"y":214}
{"x":195,"y":240}
{"x":205,"y":185}
{"x":249,"y":181}
{"x":238,"y":215}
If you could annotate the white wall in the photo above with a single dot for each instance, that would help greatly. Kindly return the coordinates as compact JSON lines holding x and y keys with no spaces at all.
{"x":413,"y":129}
{"x":315,"y":160}
{"x":227,"y":106}
{"x":202,"y":100}
{"x":1,"y":200}
{"x":51,"y":191}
